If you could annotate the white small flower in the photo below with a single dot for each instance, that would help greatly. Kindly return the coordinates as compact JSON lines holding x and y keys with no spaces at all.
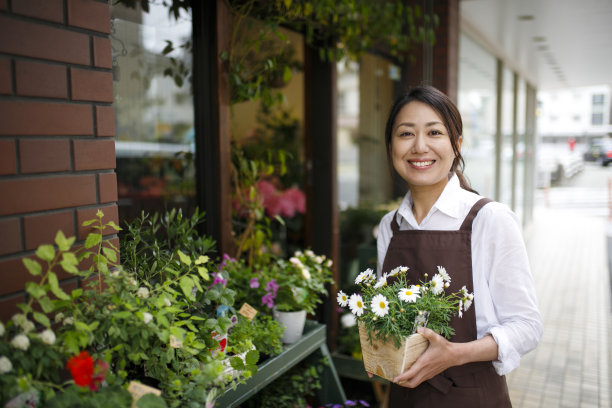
{"x":309,"y":253}
{"x":68,"y":321}
{"x":295,"y":261}
{"x":298,"y":253}
{"x":467,"y":301}
{"x":348,"y":320}
{"x":381,"y":282}
{"x":319,"y":259}
{"x":342,"y":299}
{"x":460,"y":307}
{"x":356,"y":304}
{"x":437,"y":284}
{"x":147,"y":317}
{"x":59,"y":317}
{"x":365,"y":276}
{"x":21,"y":342}
{"x":142,"y":292}
{"x":410,"y":294}
{"x":167,"y":302}
{"x":306,"y":273}
{"x":446,"y":284}
{"x":445,"y":275}
{"x":27,"y":326}
{"x":133,"y":282}
{"x":115,"y":273}
{"x":329,"y":263}
{"x":5,"y":365}
{"x":1,"y":329}
{"x":47,"y":337}
{"x":463,"y":290}
{"x":19,"y":319}
{"x":380,"y":305}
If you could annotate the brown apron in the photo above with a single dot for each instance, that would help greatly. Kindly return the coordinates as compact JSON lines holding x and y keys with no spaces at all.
{"x":470,"y":385}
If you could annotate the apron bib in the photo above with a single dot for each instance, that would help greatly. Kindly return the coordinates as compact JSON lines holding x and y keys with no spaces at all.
{"x":470,"y":385}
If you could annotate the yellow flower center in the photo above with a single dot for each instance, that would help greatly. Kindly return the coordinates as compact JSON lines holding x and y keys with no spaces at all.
{"x":382,"y":305}
{"x":408,"y":293}
{"x":359,"y":304}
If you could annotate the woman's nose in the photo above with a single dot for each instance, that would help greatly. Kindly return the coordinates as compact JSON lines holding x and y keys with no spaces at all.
{"x":420,"y":144}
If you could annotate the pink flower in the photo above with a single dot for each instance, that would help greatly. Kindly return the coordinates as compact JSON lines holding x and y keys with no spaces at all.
{"x":254,"y":283}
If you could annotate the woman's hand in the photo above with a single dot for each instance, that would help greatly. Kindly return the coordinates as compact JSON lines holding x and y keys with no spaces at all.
{"x":439,"y":356}
{"x":442,"y":354}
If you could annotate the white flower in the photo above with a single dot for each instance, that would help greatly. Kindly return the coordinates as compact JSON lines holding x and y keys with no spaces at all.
{"x":68,"y":321}
{"x":365,"y":276}
{"x":133,"y":282}
{"x":27,"y":326}
{"x":19,"y":319}
{"x":445,"y":275}
{"x":381,"y":282}
{"x":309,"y":253}
{"x":5,"y":365}
{"x":115,"y":273}
{"x":463,"y":291}
{"x":460,"y":307}
{"x":306,"y":273}
{"x":397,"y":270}
{"x":59,"y":317}
{"x":48,"y":337}
{"x":142,"y":292}
{"x":356,"y":304}
{"x":410,"y":294}
{"x":342,"y":299}
{"x":297,"y":253}
{"x":348,"y":320}
{"x":167,"y":302}
{"x":329,"y":263}
{"x":437,"y":284}
{"x":319,"y":259}
{"x":21,"y":342}
{"x":295,"y":261}
{"x":380,"y":305}
{"x":467,"y":301}
{"x":1,"y":329}
{"x":147,"y":317}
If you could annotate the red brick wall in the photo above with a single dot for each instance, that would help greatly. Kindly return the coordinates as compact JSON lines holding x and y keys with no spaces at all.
{"x":57,"y":151}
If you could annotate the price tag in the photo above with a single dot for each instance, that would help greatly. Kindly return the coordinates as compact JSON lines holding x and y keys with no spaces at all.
{"x":138,"y":390}
{"x":247,"y":311}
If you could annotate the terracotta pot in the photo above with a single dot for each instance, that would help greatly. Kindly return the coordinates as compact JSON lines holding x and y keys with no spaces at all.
{"x":386,"y":361}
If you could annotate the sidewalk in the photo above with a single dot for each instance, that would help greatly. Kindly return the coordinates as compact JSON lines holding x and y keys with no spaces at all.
{"x":570,"y":367}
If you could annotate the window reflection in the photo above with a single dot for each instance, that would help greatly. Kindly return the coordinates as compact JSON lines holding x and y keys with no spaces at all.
{"x":153,"y":110}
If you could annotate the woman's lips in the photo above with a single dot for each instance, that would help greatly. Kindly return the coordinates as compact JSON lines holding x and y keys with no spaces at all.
{"x":421,"y":164}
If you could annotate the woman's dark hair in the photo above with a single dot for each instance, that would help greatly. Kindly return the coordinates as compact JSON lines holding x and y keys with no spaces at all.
{"x":449,"y":113}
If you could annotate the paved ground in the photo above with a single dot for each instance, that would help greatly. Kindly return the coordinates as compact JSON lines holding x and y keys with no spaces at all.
{"x":571,"y":366}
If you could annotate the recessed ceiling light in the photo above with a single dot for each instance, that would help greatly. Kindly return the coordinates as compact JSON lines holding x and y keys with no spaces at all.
{"x":526,"y":17}
{"x":539,"y":39}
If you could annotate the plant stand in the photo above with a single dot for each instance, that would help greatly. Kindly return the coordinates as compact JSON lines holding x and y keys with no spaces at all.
{"x":311,"y":344}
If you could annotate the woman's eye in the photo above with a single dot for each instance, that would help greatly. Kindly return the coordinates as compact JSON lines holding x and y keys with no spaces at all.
{"x":436,"y":132}
{"x":404,"y":134}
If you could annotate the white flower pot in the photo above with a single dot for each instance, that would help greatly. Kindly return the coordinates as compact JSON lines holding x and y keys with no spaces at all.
{"x":293,"y":323}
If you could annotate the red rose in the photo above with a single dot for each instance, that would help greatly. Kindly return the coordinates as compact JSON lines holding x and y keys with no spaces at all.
{"x":81,"y":367}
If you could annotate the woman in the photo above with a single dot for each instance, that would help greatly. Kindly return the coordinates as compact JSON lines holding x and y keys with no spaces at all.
{"x":442,"y":221}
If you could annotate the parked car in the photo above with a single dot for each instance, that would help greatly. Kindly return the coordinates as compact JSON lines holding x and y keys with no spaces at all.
{"x":599,"y":150}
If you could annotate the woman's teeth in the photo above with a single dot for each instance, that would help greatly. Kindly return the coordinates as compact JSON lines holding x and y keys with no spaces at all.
{"x":421,"y":163}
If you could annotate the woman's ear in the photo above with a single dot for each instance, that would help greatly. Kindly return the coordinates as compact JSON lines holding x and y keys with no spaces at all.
{"x":459,"y":141}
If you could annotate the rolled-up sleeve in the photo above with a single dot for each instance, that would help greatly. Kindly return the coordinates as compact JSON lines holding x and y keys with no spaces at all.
{"x":504,"y":291}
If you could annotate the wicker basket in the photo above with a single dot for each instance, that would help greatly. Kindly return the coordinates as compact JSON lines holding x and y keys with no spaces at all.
{"x":386,"y":361}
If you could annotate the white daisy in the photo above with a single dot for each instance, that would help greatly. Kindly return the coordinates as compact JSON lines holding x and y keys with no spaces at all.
{"x":356,"y":304}
{"x":410,"y":294}
{"x":380,"y":305}
{"x":399,"y":269}
{"x":445,"y":275}
{"x":463,"y":291}
{"x":381,"y":282}
{"x":437,"y":284}
{"x":365,"y":276}
{"x":460,"y":311}
{"x":348,"y":320}
{"x":342,"y":299}
{"x":467,"y":301}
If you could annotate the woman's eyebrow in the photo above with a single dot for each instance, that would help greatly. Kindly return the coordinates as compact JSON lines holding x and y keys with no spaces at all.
{"x":428,"y":124}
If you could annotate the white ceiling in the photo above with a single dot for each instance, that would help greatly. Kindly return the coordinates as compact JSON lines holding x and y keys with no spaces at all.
{"x":552,"y":43}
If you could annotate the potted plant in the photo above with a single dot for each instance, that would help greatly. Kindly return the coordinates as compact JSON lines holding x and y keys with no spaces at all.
{"x":389,"y":314}
{"x":296,"y":288}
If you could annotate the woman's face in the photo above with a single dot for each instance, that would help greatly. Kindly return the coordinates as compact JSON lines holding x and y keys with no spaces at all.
{"x":421,"y":150}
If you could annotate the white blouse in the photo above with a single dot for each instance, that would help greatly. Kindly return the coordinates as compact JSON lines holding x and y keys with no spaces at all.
{"x":504,"y":292}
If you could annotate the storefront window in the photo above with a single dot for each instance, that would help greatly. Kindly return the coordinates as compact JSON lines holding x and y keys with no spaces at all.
{"x":507,"y":129}
{"x":476,"y":102}
{"x":153,"y":110}
{"x":521,"y":148}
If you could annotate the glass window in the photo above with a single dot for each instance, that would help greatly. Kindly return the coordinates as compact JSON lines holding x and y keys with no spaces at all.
{"x":598,"y":99}
{"x":521,"y":148}
{"x":153,"y":111}
{"x":597,"y":119}
{"x":476,"y":102}
{"x":507,"y":147}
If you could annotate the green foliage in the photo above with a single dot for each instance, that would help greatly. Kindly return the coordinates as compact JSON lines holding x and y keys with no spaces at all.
{"x":263,"y":332}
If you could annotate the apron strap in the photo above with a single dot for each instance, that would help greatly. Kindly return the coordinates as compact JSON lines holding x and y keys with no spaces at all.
{"x":467,"y":222}
{"x":394,"y":224}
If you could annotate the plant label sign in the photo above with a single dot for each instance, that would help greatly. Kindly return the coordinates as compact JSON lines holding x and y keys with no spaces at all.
{"x":138,"y":390}
{"x":248,"y":311}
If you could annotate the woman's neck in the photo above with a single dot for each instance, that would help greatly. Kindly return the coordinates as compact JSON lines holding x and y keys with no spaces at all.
{"x":423,"y":198}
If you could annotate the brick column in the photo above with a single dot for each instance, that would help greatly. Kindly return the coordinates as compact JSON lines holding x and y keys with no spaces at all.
{"x":57,"y":150}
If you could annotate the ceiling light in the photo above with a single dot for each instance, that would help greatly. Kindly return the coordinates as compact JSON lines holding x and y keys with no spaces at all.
{"x":526,"y":17}
{"x":539,"y":39}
